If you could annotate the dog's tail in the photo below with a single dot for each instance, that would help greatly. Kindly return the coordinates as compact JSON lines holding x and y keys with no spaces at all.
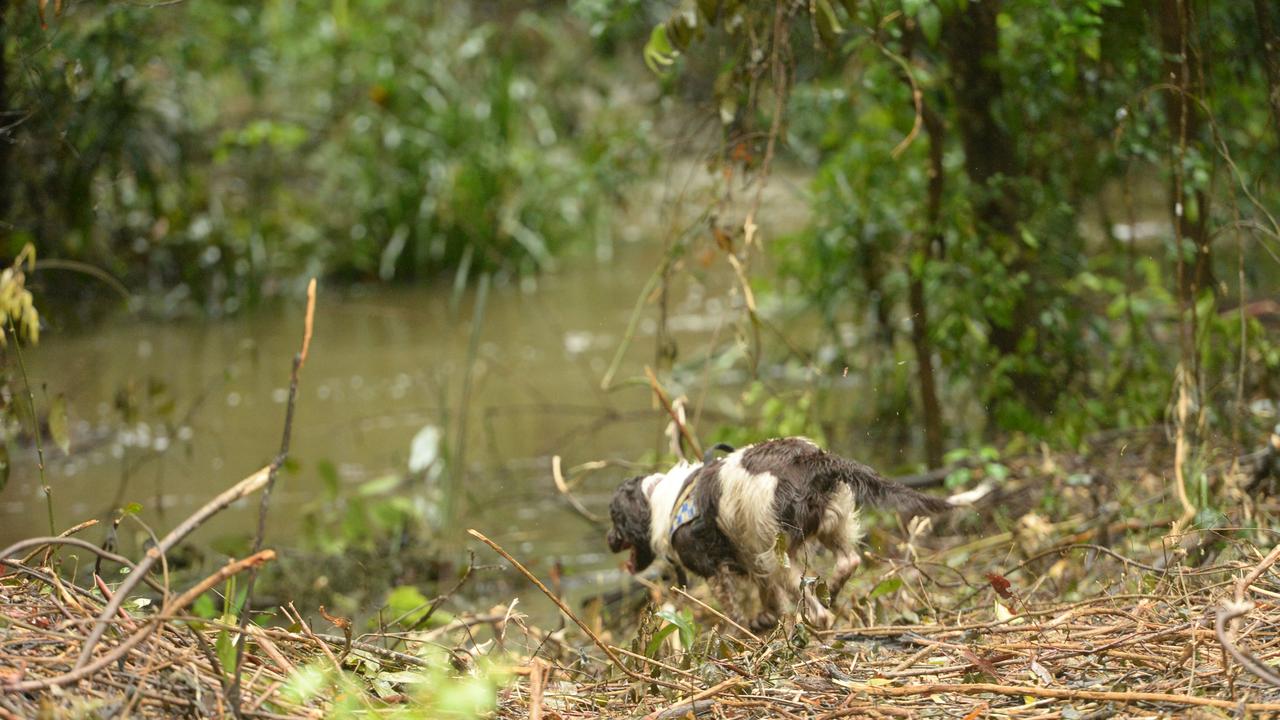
{"x":870,"y":488}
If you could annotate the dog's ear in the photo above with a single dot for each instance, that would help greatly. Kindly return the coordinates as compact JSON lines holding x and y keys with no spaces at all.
{"x":630,"y":513}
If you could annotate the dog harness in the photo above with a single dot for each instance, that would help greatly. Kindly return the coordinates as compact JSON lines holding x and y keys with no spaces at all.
{"x":685,"y":508}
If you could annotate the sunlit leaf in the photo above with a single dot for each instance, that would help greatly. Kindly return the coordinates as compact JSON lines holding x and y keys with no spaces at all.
{"x":683,"y":621}
{"x":424,"y":449}
{"x":225,"y":648}
{"x":408,"y":602}
{"x":658,"y":53}
{"x":58,"y":428}
{"x":1004,"y":614}
{"x":884,"y":587}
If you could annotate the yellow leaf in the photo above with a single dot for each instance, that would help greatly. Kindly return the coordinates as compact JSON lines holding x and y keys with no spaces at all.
{"x":58,"y":428}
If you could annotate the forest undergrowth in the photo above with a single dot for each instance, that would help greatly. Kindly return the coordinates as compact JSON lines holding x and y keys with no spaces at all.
{"x":1066,"y":593}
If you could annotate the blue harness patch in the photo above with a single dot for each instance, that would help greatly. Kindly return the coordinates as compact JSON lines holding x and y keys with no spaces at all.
{"x":684,"y":514}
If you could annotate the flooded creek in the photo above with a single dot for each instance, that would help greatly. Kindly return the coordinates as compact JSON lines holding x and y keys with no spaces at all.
{"x":166,"y":415}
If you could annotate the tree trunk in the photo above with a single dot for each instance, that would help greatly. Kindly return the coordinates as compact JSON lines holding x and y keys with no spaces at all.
{"x":972,"y":44}
{"x":6,"y":132}
{"x":1182,"y":114}
{"x":930,"y":245}
{"x":871,"y":277}
{"x":1268,"y":13}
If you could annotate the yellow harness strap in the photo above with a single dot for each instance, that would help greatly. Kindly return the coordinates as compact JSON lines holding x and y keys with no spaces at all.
{"x":684,"y":510}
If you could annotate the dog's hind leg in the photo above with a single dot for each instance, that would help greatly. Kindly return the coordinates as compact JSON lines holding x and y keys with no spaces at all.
{"x":840,"y":531}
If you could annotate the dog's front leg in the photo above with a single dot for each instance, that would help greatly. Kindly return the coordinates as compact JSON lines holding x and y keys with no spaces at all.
{"x":724,"y":587}
{"x":773,"y":600}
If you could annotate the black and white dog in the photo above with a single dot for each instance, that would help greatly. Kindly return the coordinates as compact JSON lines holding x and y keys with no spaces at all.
{"x":723,"y":519}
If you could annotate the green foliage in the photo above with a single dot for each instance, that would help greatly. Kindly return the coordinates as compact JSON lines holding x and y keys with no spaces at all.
{"x":1042,"y":319}
{"x":215,"y":151}
{"x":17,"y":308}
{"x":983,"y":463}
{"x":681,"y":622}
{"x":769,"y":413}
{"x":436,"y":691}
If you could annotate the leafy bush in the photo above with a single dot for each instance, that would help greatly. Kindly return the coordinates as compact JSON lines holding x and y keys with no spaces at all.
{"x":214,"y":152}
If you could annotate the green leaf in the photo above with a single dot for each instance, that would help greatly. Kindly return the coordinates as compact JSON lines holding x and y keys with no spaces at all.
{"x":58,"y":424}
{"x":780,"y":550}
{"x":658,"y":637}
{"x":409,"y":602}
{"x":225,"y":649}
{"x":710,"y":9}
{"x":822,"y":592}
{"x":885,"y":587}
{"x":829,"y":27}
{"x":930,"y":19}
{"x":329,"y":475}
{"x":683,"y":621}
{"x":658,"y":53}
{"x":204,"y":607}
{"x":958,"y":478}
{"x":132,"y":508}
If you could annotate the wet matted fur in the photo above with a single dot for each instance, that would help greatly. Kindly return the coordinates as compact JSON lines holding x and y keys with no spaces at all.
{"x":743,"y":502}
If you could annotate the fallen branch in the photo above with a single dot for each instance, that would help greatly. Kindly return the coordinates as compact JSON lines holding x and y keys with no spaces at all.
{"x":80,"y":672}
{"x":1224,"y":625}
{"x":1061,"y":694}
{"x":604,"y":647}
{"x":696,"y":703}
{"x":240,"y":490}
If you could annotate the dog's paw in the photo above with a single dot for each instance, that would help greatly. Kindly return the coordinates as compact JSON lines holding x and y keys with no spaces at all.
{"x":817,"y":614}
{"x":763,"y":622}
{"x":821,"y":618}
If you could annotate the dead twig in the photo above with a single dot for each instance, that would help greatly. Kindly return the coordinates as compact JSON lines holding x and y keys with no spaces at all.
{"x":574,"y":503}
{"x":80,"y":672}
{"x":604,"y":647}
{"x":1060,"y":693}
{"x":240,"y":490}
{"x":273,"y":470}
{"x":1228,"y":612}
{"x":675,"y":416}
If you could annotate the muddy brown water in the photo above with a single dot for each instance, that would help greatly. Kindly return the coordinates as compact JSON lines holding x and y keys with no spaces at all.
{"x":384,"y":364}
{"x":209,"y":398}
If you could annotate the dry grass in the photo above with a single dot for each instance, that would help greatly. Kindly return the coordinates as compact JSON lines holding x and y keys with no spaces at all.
{"x":1081,"y":607}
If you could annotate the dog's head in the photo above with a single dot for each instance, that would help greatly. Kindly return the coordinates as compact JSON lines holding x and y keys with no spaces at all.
{"x":630,"y":513}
